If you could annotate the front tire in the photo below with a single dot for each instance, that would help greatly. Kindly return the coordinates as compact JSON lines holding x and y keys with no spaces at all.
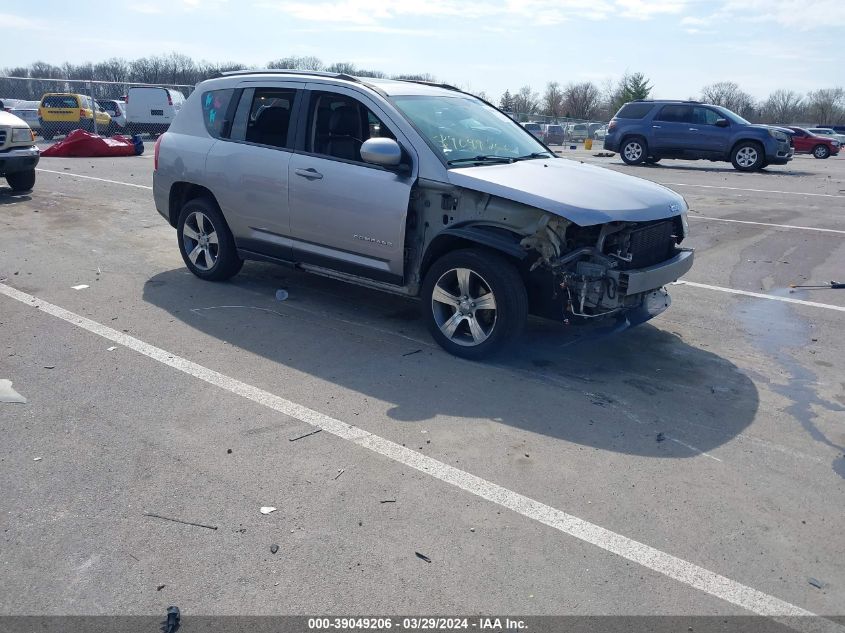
{"x":21,"y":181}
{"x":821,"y":151}
{"x":474,"y":303}
{"x":634,"y":150}
{"x":205,"y":241}
{"x":748,"y":156}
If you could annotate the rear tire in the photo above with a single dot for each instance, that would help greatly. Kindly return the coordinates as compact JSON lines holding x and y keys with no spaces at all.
{"x":821,"y":151}
{"x":205,"y":241}
{"x":474,"y":303}
{"x":634,"y":150}
{"x":21,"y":181}
{"x":748,"y":156}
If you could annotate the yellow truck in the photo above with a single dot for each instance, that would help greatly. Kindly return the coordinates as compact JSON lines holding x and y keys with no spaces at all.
{"x":63,"y":112}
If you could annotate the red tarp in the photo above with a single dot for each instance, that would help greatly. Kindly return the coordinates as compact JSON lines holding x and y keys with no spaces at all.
{"x":80,"y":143}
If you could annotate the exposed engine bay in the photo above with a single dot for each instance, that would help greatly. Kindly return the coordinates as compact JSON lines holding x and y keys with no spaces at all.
{"x":589,"y":264}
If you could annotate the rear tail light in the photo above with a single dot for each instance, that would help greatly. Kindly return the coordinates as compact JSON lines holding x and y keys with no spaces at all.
{"x":155,"y":152}
{"x":169,"y":98}
{"x":81,"y":113}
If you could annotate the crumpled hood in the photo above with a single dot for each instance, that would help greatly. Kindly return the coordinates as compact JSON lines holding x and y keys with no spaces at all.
{"x":584,"y":194}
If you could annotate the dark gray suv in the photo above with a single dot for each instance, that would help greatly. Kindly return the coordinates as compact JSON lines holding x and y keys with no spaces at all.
{"x":646,"y":131}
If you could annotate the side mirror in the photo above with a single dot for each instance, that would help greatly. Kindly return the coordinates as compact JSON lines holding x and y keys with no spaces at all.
{"x":722,"y":123}
{"x":381,"y":151}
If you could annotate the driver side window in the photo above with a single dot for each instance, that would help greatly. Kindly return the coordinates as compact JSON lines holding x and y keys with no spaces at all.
{"x":705,"y":116}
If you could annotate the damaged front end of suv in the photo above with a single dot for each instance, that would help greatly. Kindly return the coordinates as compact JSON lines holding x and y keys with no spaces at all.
{"x":591,"y":245}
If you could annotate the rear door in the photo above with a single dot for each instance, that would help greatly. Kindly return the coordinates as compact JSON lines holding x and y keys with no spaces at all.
{"x":671,"y":132}
{"x":346,"y":214}
{"x":249,"y":164}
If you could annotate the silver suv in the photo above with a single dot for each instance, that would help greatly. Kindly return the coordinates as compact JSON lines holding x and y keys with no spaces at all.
{"x":417,"y":189}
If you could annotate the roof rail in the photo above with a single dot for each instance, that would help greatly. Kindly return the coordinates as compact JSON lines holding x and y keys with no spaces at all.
{"x":289,"y":71}
{"x":433,"y":84}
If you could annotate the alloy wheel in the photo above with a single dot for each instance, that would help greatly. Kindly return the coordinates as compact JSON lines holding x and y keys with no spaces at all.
{"x":746,"y":157}
{"x":200,"y":241}
{"x":464,"y":307}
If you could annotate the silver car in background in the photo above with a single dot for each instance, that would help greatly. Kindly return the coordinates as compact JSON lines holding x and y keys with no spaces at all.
{"x":416,"y":189}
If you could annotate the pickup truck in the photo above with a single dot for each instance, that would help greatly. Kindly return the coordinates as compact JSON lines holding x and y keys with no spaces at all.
{"x":18,"y":153}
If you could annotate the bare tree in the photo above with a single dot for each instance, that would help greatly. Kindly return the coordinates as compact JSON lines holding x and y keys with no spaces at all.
{"x":525,"y":101}
{"x":552,"y":104}
{"x":826,"y":106}
{"x":347,"y":68}
{"x":582,"y":100}
{"x":114,"y":69}
{"x":729,"y":95}
{"x":297,"y":63}
{"x":782,"y":106}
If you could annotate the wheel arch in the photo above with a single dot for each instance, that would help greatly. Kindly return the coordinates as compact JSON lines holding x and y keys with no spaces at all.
{"x":747,"y":139}
{"x":180,"y":194}
{"x":497,"y":239}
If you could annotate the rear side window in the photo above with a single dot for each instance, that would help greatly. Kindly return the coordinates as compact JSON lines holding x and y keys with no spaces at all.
{"x":634,"y":110}
{"x":215,"y":104}
{"x":264,"y":117}
{"x":675,"y":114}
{"x":60,"y":101}
{"x":532,"y":127}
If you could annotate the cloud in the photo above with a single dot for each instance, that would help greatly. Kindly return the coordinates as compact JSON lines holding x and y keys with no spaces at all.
{"x":19,"y":22}
{"x":547,"y":12}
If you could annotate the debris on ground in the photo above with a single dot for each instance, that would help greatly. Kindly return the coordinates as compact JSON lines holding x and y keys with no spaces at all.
{"x":80,"y":287}
{"x":49,"y":366}
{"x":299,"y":437}
{"x":171,"y":625}
{"x":202,"y":525}
{"x":228,"y":451}
{"x":388,"y":501}
{"x":660,"y":437}
{"x":604,"y":155}
{"x":423,"y":557}
{"x":339,"y":473}
{"x":416,"y":351}
{"x":831,"y":285}
{"x":267,"y":509}
{"x":82,"y":144}
{"x":112,"y":348}
{"x":37,"y":459}
{"x":160,"y":587}
{"x":9,"y":395}
{"x":472,"y":529}
{"x":818,"y":584}
{"x":274,"y":548}
{"x":281,"y":294}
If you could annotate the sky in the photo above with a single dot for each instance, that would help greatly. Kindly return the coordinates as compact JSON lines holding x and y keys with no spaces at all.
{"x":490,"y":45}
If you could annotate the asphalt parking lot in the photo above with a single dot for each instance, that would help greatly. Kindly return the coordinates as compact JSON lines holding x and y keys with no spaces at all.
{"x":693,"y":465}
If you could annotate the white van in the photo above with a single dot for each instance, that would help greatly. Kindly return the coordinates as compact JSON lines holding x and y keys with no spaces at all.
{"x":151,"y":109}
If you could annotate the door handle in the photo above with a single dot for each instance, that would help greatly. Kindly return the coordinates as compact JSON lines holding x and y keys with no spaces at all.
{"x":656,"y":127}
{"x":693,"y":129}
{"x":310,"y":173}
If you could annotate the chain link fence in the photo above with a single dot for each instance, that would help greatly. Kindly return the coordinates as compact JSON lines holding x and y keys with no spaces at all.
{"x":23,"y":95}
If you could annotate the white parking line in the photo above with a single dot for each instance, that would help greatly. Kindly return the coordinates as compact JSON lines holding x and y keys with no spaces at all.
{"x":673,"y":567}
{"x":693,"y":216}
{"x":760,"y":295}
{"x":72,"y":175}
{"x":788,"y":193}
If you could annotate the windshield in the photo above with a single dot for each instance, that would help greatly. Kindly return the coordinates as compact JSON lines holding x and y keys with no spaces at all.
{"x":461,"y":127}
{"x":733,"y":117}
